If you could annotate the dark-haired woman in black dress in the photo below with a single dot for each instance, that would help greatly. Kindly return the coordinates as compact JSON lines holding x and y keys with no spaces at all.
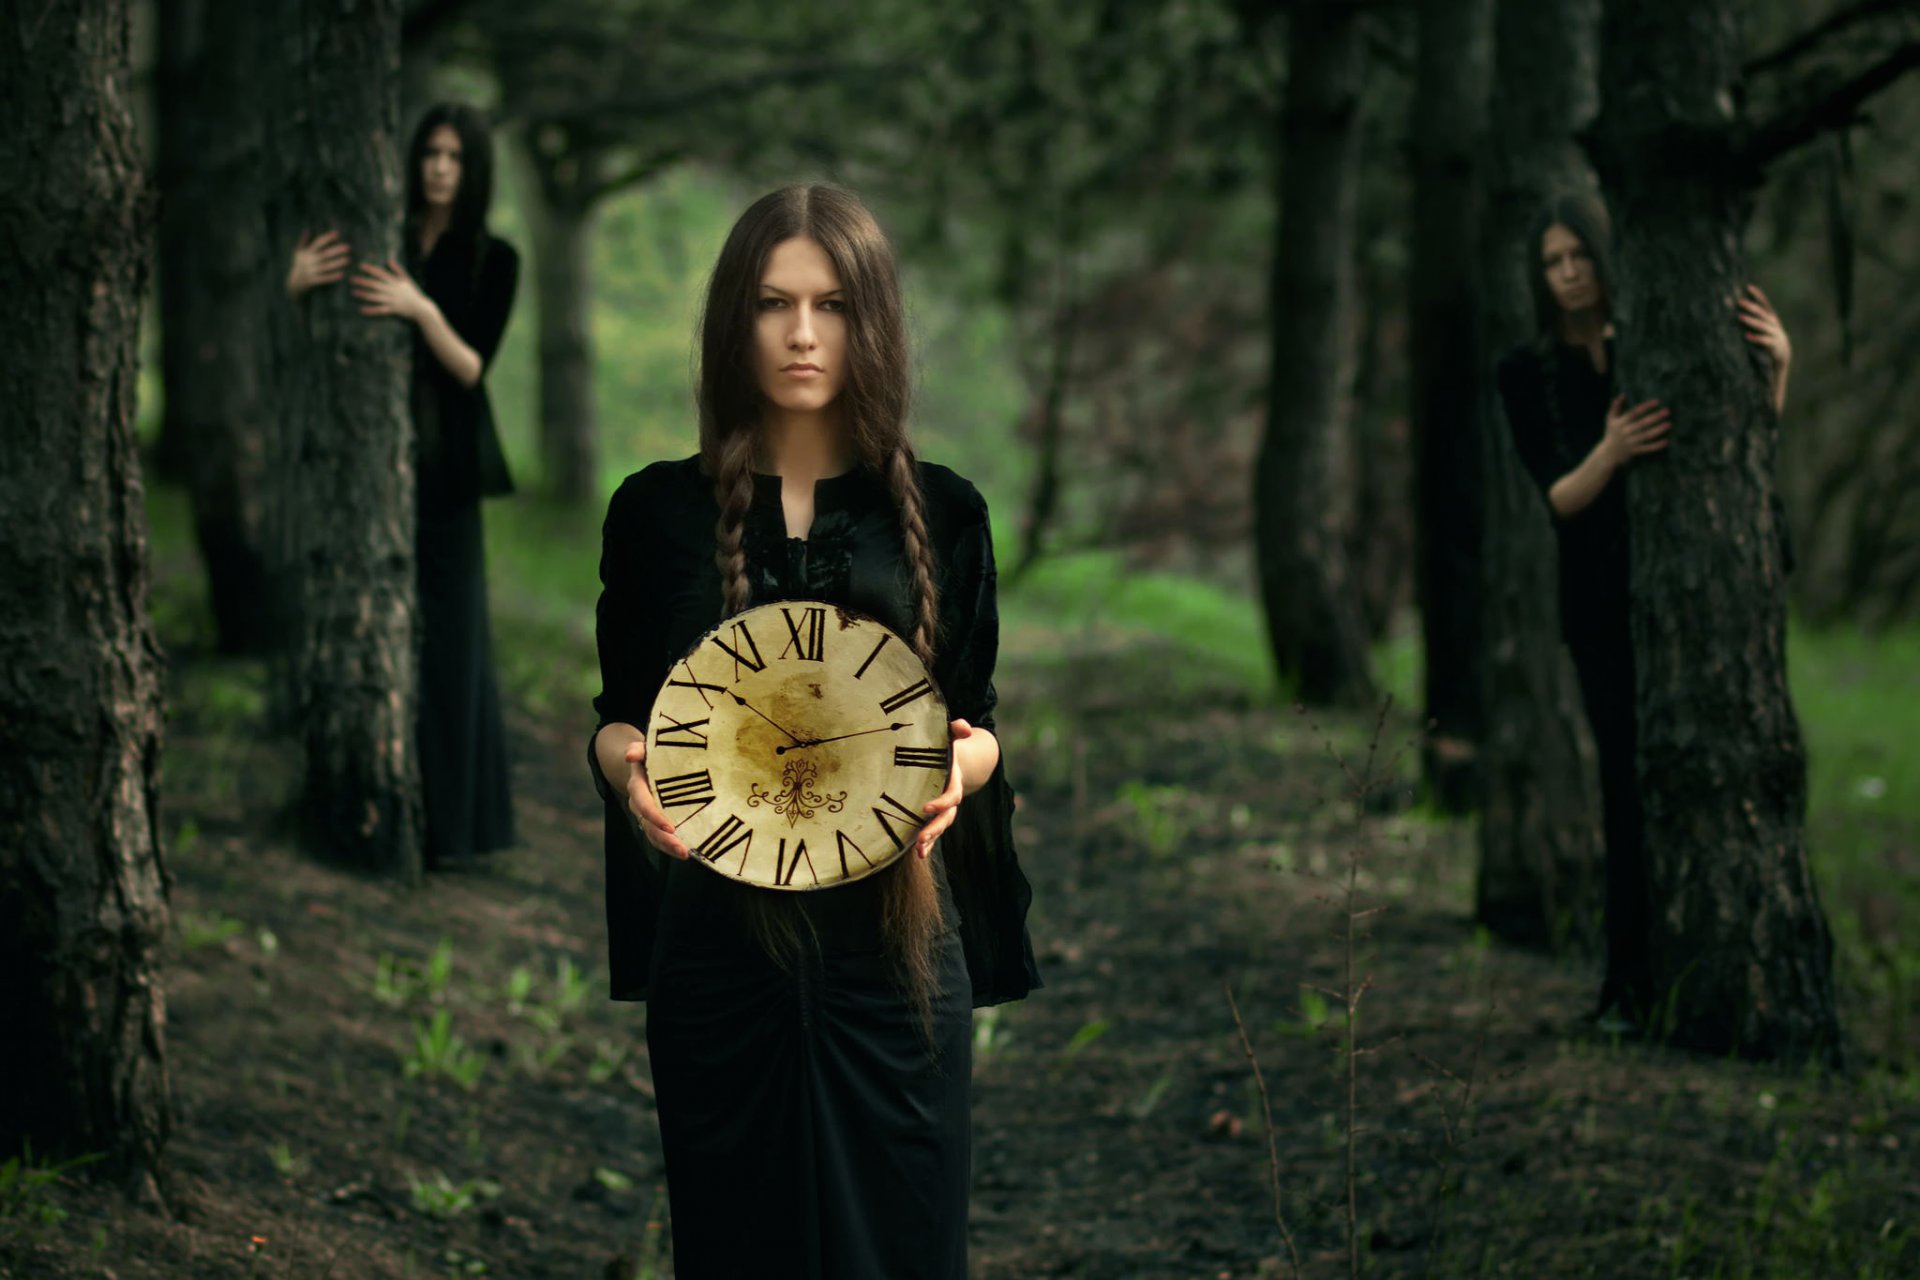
{"x":1576,"y":436}
{"x":810,"y":1052}
{"x":456,"y":290}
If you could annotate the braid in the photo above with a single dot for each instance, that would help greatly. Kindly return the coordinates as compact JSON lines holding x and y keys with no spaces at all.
{"x":733,"y":489}
{"x":905,"y":485}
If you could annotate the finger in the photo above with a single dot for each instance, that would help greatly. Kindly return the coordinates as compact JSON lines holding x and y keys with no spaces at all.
{"x":946,"y":799}
{"x":931,"y":833}
{"x":663,"y":842}
{"x":645,"y":804}
{"x":1761,"y":294}
{"x":376,"y":311}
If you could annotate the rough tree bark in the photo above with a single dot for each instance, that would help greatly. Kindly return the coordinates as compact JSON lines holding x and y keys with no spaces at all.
{"x":1740,"y":943}
{"x":85,"y":902}
{"x":1301,"y":485}
{"x":1448,"y":377}
{"x":566,"y":188}
{"x":345,"y":509}
{"x":1541,"y":854}
{"x":217,"y":273}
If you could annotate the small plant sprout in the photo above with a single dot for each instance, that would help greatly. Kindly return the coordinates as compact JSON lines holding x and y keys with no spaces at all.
{"x":199,"y":930}
{"x":439,"y":1196}
{"x":440,"y":1054}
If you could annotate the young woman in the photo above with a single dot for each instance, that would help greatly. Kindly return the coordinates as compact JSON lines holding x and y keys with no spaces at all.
{"x":1576,"y":436}
{"x":456,"y":290}
{"x":811,"y":1051}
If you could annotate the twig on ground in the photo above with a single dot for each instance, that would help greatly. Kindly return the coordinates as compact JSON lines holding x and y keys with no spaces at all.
{"x":1266,"y":1111}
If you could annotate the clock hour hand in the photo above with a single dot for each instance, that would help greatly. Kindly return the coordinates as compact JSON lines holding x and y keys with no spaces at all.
{"x":798,"y":741}
{"x":814,"y":742}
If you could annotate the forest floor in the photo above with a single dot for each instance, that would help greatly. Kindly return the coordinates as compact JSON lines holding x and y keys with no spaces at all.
{"x":371,"y":1082}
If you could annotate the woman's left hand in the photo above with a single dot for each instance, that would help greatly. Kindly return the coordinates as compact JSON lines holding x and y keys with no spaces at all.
{"x":1763,"y":326}
{"x":389,"y":291}
{"x":945,"y":807}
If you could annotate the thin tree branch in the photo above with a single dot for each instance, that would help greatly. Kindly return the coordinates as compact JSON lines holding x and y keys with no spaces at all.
{"x":1813,"y":37}
{"x":632,"y":176}
{"x":590,"y":115}
{"x":1800,"y":122}
{"x":424,"y":20}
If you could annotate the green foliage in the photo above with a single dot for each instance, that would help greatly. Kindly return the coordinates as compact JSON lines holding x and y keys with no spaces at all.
{"x":200,"y":929}
{"x":26,"y":1193}
{"x":439,"y":1054}
{"x":285,"y":1163}
{"x":438,"y":1196}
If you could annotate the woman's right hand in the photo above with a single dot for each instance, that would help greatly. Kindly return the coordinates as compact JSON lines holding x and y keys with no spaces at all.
{"x":1637,"y":430}
{"x":317,"y":260}
{"x":653,"y":821}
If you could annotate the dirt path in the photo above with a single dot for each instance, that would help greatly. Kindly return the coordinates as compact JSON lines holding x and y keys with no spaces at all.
{"x":1118,"y":1131}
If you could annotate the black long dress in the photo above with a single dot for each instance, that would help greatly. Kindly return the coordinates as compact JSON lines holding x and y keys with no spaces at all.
{"x":807,"y":1131}
{"x":463,"y":746}
{"x":1556,"y":404}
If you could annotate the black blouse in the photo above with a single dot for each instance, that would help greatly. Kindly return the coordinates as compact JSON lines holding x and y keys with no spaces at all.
{"x":457,"y":447}
{"x":1556,"y":404}
{"x":661,"y":591}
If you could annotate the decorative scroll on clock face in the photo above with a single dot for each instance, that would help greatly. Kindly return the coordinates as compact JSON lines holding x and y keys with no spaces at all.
{"x":794,"y":745}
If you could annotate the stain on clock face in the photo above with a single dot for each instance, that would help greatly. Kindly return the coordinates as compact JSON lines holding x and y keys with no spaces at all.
{"x":794,"y":745}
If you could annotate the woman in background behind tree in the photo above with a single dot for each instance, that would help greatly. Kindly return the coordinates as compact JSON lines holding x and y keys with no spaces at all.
{"x":1576,"y":435}
{"x":458,"y":310}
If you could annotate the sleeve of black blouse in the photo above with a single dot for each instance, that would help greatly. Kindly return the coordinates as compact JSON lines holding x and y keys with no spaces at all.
{"x":492,"y":302}
{"x":974,"y":618}
{"x":1522,"y":394}
{"x":632,"y":645}
{"x":990,"y":892}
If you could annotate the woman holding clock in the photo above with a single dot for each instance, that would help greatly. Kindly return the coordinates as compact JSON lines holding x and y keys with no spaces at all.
{"x":810,"y":1050}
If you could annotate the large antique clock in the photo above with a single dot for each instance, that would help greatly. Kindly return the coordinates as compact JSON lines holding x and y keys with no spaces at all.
{"x":794,"y":745}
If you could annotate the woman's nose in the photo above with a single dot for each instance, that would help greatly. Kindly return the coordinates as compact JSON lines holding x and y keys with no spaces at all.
{"x":802,"y":335}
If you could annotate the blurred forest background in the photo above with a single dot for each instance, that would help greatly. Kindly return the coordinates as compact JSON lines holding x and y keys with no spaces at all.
{"x":1204,"y":297}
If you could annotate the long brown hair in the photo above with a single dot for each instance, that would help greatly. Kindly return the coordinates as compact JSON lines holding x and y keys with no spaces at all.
{"x":873,"y":403}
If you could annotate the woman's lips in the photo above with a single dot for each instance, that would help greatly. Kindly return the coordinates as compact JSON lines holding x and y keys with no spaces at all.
{"x":801,"y":371}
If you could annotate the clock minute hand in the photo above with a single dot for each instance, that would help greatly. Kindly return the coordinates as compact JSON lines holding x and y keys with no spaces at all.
{"x":798,"y":741}
{"x":815,"y":742}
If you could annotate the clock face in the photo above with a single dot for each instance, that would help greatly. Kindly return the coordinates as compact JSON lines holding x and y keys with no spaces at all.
{"x":794,"y":745}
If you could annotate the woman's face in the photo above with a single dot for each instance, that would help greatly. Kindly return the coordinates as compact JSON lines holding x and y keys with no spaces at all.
{"x":800,"y":326}
{"x":1570,"y":274}
{"x":440,"y":166}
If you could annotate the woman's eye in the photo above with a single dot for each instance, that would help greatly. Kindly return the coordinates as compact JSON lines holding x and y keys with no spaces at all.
{"x":833,"y":304}
{"x":770,"y":303}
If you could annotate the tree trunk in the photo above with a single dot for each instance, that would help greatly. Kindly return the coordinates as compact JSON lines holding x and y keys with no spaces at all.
{"x":217,"y":272}
{"x":1449,"y":374}
{"x":178,"y":59}
{"x":346,"y":510}
{"x":560,"y":215}
{"x":1302,"y":495}
{"x":1740,"y":944}
{"x":85,"y":904}
{"x":1540,"y":849}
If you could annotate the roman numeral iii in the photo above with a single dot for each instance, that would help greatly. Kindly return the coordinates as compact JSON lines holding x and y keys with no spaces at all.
{"x":920,"y":757}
